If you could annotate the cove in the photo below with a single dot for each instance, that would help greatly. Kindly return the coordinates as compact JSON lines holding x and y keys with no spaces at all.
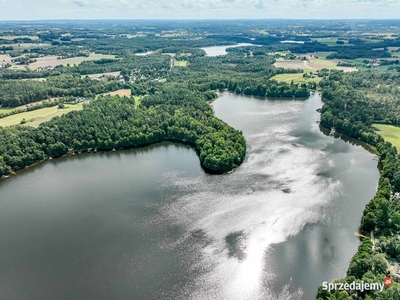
{"x":149,"y":223}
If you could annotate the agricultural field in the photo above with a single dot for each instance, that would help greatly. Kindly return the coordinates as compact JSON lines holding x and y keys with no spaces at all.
{"x":178,"y":63}
{"x":4,"y":110}
{"x":320,"y":55}
{"x":296,"y":78}
{"x":5,"y":58}
{"x":36,"y":117}
{"x":123,"y":92}
{"x":389,"y":133}
{"x":52,"y":61}
{"x":102,"y":74}
{"x":13,"y":37}
{"x":331,"y":41}
{"x":312,"y":64}
{"x":9,"y":109}
{"x":33,"y":79}
{"x":27,"y":46}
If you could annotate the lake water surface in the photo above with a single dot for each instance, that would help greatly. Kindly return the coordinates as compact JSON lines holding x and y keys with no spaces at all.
{"x":150,"y":224}
{"x":143,"y":53}
{"x":221,"y":50}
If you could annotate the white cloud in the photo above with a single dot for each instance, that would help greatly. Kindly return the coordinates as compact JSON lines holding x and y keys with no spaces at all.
{"x":166,"y":9}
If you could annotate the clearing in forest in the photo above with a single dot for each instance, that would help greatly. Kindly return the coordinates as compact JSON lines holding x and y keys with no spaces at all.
{"x":390,"y":133}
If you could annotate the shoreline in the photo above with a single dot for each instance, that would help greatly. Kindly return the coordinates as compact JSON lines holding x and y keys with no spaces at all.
{"x":85,"y":151}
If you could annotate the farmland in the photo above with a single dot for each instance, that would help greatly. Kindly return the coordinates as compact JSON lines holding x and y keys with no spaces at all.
{"x":102,"y":74}
{"x":296,"y":78}
{"x":13,"y":37}
{"x":332,"y":41}
{"x":36,"y":117}
{"x":312,"y":64}
{"x":52,"y":61}
{"x":122,"y":92}
{"x":5,"y":58}
{"x":27,"y":46}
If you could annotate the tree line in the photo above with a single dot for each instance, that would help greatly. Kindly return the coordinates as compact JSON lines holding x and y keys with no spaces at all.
{"x":352,"y":105}
{"x":114,"y":122}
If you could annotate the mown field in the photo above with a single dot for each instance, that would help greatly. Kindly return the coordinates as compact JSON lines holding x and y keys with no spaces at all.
{"x":312,"y":64}
{"x":123,"y":92}
{"x":297,"y":78}
{"x":389,"y":133}
{"x":36,"y":117}
{"x":4,"y":110}
{"x":178,"y":63}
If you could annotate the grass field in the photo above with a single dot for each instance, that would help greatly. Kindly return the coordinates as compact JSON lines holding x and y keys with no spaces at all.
{"x":390,"y":133}
{"x":4,"y":110}
{"x":323,"y":55}
{"x":178,"y":63}
{"x":12,"y":37}
{"x":51,"y":61}
{"x":32,"y":79}
{"x":126,"y":92}
{"x":137,"y":100}
{"x":36,"y":117}
{"x":330,"y":41}
{"x":100,"y":74}
{"x":123,"y":92}
{"x":27,"y":46}
{"x":297,"y":78}
{"x":312,"y":65}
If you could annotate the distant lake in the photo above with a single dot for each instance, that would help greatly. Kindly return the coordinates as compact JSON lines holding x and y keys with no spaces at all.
{"x":292,"y":42}
{"x":150,"y":224}
{"x":221,"y":50}
{"x":144,"y":53}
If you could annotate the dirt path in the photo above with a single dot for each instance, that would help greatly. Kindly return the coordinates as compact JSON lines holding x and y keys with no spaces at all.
{"x":307,"y":66}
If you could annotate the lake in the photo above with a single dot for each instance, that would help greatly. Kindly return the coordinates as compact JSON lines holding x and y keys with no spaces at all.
{"x":221,"y":50}
{"x":144,"y":53}
{"x":150,"y":224}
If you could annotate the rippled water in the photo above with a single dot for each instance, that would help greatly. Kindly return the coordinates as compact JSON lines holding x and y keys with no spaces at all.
{"x":150,"y":224}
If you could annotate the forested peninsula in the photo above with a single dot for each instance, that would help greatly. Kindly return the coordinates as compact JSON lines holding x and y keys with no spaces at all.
{"x":117,"y":123}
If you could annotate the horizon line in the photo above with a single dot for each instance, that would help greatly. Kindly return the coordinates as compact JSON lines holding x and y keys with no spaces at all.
{"x":203,"y":19}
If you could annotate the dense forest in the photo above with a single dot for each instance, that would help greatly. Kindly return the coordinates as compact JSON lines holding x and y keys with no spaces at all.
{"x":16,"y":93}
{"x":114,"y":122}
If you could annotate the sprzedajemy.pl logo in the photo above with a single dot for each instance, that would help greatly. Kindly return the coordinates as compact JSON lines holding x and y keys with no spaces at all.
{"x":357,"y":286}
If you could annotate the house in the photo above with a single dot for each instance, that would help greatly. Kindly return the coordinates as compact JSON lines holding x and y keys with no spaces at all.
{"x":82,"y":100}
{"x":396,"y":195}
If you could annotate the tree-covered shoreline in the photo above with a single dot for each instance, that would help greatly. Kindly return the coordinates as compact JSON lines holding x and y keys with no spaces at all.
{"x":351,"y":110}
{"x":117,"y":123}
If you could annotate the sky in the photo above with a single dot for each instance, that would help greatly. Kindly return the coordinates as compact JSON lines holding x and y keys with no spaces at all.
{"x":198,"y":9}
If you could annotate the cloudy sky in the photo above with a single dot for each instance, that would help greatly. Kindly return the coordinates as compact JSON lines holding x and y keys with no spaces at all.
{"x":188,"y":9}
